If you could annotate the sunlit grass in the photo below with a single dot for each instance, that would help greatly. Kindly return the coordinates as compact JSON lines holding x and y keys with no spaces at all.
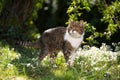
{"x":91,"y":64}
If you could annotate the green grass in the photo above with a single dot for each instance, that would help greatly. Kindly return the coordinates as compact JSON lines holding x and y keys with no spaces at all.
{"x":90,"y":64}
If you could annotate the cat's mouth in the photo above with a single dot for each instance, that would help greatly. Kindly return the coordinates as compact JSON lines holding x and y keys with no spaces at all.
{"x":74,"y":34}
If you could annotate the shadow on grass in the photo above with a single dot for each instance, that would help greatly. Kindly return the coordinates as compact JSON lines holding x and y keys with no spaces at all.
{"x":26,"y":65}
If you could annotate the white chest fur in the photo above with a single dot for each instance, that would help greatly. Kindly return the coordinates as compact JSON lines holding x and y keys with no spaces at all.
{"x":75,"y":42}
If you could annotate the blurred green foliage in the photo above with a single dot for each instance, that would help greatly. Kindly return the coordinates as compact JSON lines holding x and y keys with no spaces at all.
{"x":22,"y":20}
{"x":17,"y":19}
{"x":101,"y":18}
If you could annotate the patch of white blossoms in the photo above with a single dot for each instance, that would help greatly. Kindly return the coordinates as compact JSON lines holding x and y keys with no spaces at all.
{"x":96,"y":55}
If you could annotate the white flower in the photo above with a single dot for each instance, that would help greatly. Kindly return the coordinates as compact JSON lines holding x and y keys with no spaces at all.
{"x":97,"y":69}
{"x":118,"y":66}
{"x":54,"y":66}
{"x":29,"y":64}
{"x":10,"y":65}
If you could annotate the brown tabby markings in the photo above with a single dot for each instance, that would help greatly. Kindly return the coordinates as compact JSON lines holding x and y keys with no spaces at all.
{"x":61,"y":38}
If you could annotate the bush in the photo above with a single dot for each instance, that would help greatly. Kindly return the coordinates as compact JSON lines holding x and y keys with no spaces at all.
{"x":101,"y":19}
{"x":7,"y":70}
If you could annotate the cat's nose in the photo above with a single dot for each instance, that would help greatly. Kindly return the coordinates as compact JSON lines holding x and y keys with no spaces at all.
{"x":71,"y":31}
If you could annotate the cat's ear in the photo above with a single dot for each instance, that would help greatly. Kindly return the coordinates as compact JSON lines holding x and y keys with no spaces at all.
{"x":71,"y":21}
{"x":82,"y":23}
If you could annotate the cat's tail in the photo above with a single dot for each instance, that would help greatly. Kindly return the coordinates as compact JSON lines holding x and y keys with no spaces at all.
{"x":29,"y":44}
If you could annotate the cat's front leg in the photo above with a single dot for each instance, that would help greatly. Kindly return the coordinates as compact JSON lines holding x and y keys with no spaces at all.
{"x":67,"y":51}
{"x":72,"y":58}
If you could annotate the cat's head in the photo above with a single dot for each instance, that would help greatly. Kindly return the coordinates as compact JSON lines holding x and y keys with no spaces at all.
{"x":76,"y":29}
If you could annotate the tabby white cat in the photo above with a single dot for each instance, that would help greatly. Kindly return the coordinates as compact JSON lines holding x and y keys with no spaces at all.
{"x":65,"y":39}
{"x":61,"y":38}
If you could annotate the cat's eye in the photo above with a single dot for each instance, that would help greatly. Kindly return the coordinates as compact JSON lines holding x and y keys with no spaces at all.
{"x":74,"y":31}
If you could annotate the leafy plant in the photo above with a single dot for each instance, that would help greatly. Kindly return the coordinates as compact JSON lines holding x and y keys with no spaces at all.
{"x":101,"y":18}
{"x":90,"y":63}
